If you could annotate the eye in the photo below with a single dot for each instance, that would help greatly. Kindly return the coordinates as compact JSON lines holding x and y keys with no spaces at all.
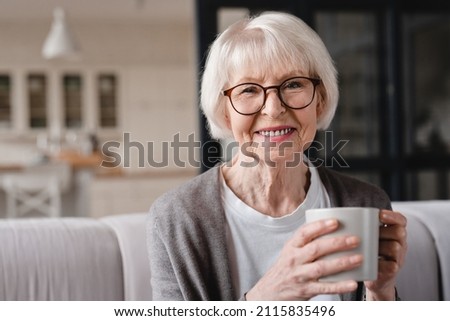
{"x":294,"y":84}
{"x":248,"y":89}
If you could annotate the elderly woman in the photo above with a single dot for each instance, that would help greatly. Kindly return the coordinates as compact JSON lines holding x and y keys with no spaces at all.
{"x":238,"y":231}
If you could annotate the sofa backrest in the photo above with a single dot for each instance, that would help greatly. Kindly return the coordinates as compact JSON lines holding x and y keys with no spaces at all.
{"x":106,"y":259}
{"x":419,"y":278}
{"x":59,"y":259}
{"x":426,"y":274}
{"x":130,"y":232}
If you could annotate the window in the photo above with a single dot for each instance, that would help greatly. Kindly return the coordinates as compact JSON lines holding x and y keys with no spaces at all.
{"x":427,"y":85}
{"x":394,"y":77}
{"x":351,"y":41}
{"x":426,"y":99}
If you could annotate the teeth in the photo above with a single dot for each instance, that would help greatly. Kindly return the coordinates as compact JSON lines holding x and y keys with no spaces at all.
{"x":273,"y":133}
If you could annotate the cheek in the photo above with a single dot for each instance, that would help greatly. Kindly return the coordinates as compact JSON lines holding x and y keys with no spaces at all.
{"x":308,"y":128}
{"x":239,"y":123}
{"x":308,"y":133}
{"x":307,"y":119}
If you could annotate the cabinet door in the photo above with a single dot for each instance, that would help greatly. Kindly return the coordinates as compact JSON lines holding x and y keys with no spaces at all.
{"x":37,"y":100}
{"x":5,"y":101}
{"x":107,"y":100}
{"x":72,"y":91}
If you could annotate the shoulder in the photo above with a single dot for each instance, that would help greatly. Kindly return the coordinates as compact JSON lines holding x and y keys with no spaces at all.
{"x":345,"y":190}
{"x":190,"y":201}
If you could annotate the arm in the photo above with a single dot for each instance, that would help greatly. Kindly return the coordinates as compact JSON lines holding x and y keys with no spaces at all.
{"x":163,"y":280}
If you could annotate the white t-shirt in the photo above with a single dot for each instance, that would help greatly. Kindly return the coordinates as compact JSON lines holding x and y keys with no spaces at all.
{"x":255,"y":240}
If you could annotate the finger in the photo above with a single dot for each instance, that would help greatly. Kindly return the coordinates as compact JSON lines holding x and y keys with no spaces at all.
{"x":310,"y":231}
{"x":326,"y":267}
{"x":387,"y":269}
{"x":393,"y":232}
{"x":392,"y":218}
{"x":390,"y":250}
{"x":316,"y":288}
{"x":323,"y":246}
{"x":393,"y":251}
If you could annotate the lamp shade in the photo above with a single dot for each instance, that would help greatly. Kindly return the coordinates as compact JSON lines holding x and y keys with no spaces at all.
{"x":60,"y":42}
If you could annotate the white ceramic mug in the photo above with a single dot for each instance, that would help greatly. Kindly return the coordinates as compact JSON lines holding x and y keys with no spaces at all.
{"x":362,"y":222}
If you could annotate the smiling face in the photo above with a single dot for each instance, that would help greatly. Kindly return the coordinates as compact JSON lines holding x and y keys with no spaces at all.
{"x":276,"y":133}
{"x":263,"y":46}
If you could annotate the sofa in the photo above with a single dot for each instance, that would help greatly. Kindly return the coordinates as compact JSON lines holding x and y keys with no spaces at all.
{"x":106,"y":258}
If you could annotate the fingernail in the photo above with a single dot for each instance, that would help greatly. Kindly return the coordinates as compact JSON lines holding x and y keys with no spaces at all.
{"x":352,"y":240}
{"x":351,"y":285}
{"x":355,"y":259}
{"x":330,"y":222}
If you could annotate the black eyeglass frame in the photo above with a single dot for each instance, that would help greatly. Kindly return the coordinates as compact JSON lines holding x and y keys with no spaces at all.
{"x":314,"y":81}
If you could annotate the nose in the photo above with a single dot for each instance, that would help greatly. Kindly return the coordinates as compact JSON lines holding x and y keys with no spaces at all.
{"x":273,"y":106}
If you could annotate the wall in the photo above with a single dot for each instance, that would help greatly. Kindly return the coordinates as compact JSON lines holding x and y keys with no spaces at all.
{"x":155,"y":63}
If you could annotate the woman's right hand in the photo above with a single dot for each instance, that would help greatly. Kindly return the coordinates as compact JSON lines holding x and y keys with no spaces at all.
{"x":295,"y":274}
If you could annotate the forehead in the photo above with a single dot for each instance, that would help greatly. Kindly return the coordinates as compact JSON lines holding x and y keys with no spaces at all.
{"x":268,"y":77}
{"x":264,"y":62}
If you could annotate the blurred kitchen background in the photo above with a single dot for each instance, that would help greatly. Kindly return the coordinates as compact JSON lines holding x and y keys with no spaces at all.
{"x":126,"y":76}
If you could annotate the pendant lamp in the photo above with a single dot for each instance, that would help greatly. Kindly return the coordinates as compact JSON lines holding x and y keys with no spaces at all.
{"x":60,"y":43}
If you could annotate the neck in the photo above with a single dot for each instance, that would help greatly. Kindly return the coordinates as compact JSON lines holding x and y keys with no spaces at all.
{"x":275,"y":190}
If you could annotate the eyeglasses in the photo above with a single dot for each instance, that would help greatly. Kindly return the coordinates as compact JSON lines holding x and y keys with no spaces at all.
{"x":250,"y":98}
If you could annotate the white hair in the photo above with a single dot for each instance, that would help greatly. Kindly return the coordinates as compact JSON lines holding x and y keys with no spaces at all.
{"x":266,"y":43}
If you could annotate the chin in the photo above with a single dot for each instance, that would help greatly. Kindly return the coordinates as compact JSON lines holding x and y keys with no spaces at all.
{"x":282,"y":159}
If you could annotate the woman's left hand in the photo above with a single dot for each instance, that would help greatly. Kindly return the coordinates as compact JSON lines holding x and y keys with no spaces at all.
{"x":392,"y":252}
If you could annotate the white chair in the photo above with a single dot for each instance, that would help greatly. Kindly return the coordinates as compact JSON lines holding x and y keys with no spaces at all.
{"x":37,"y":190}
{"x":62,"y":171}
{"x":32,"y":194}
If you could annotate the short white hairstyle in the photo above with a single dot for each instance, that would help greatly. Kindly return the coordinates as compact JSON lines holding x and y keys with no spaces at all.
{"x":265,"y":44}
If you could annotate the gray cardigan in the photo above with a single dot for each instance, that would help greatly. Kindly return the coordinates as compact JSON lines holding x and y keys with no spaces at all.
{"x":187,"y":243}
